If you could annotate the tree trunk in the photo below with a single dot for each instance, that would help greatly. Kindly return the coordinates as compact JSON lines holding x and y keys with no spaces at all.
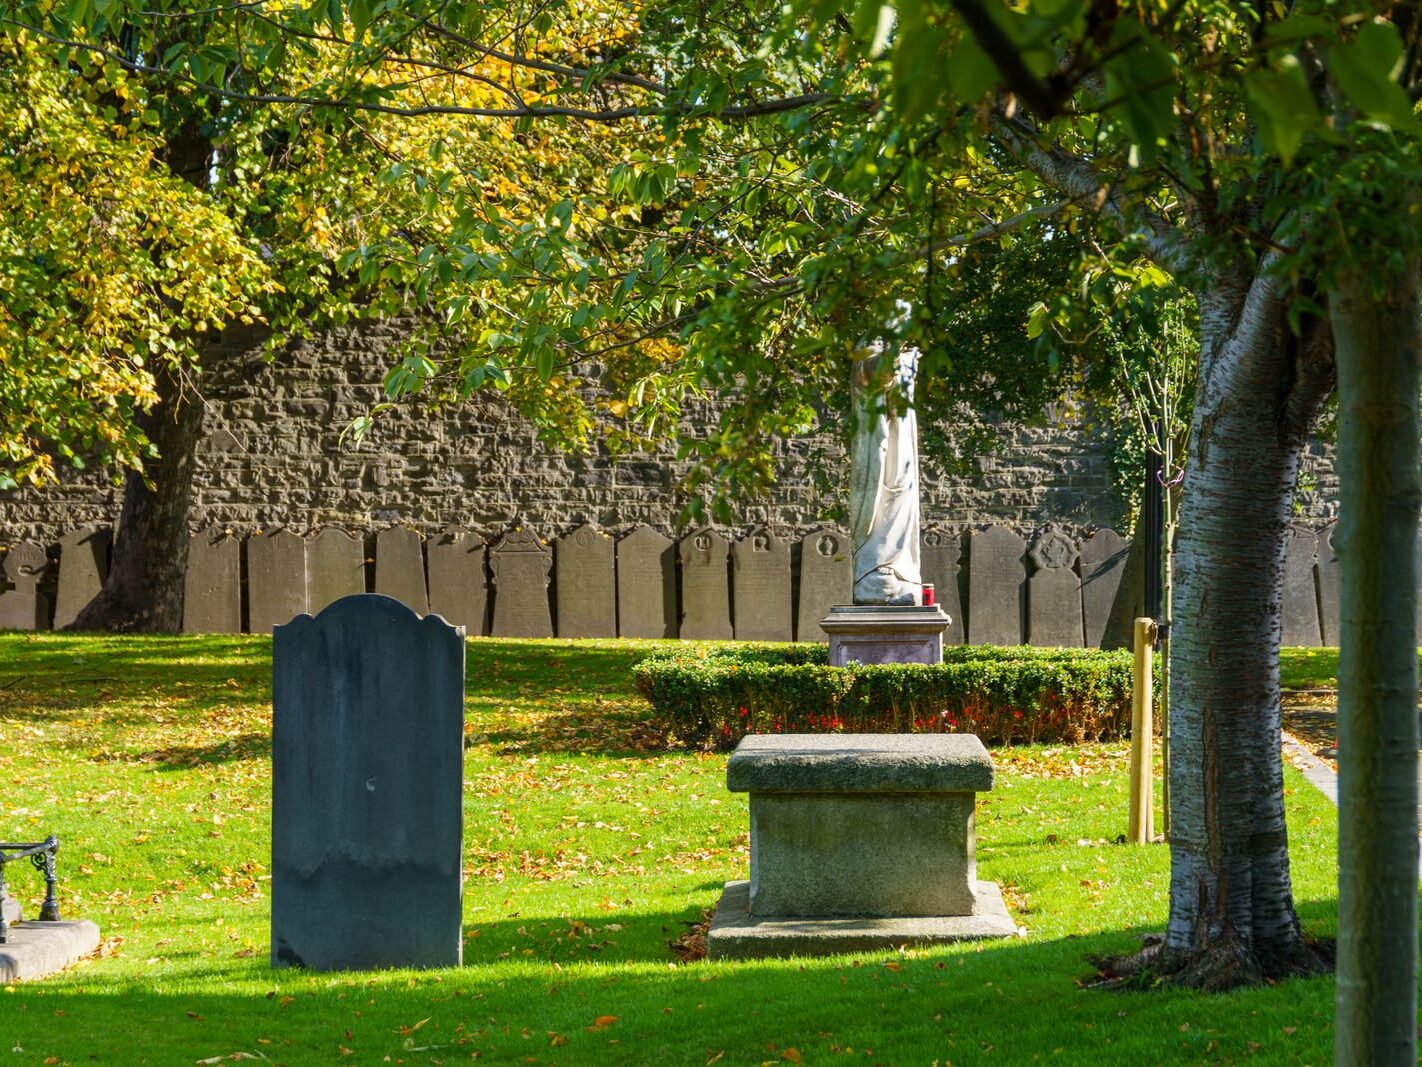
{"x":1232,"y":917}
{"x":143,"y":592}
{"x":1378,"y":350}
{"x":144,"y":588}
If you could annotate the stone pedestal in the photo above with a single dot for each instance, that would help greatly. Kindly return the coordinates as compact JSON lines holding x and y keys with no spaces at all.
{"x":858,"y":842}
{"x":885,"y":633}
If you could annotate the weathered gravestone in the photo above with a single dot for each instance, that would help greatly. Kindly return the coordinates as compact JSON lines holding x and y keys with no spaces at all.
{"x":646,"y":584}
{"x":400,"y":567}
{"x":826,"y":580}
{"x":1103,"y":562}
{"x":367,"y":784}
{"x":22,"y":606}
{"x":212,"y":587}
{"x":276,"y":580}
{"x":458,"y":589}
{"x":83,"y":563}
{"x":587,"y":583}
{"x":939,"y":554}
{"x":705,"y":592}
{"x":335,"y":568}
{"x":760,"y":583}
{"x":1054,"y":592}
{"x":996,"y":586}
{"x":1329,"y":586}
{"x":1300,"y":601}
{"x":520,"y":564}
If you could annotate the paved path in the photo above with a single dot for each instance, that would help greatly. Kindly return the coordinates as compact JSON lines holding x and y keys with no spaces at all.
{"x":1311,"y":739}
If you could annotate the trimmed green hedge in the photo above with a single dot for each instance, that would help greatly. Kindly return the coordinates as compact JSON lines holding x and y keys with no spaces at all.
{"x":711,"y":697}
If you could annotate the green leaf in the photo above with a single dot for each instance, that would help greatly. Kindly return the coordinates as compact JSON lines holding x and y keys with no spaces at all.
{"x":1284,"y":106}
{"x":1365,"y":69}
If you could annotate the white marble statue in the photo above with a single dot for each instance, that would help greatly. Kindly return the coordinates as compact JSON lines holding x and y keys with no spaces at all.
{"x":883,"y":493}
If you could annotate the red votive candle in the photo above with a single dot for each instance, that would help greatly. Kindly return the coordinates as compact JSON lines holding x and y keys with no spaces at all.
{"x":928,"y":599}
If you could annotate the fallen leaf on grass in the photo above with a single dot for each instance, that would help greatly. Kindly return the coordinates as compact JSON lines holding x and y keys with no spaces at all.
{"x":602,"y":1022}
{"x":792,"y":1055}
{"x":406,"y":1031}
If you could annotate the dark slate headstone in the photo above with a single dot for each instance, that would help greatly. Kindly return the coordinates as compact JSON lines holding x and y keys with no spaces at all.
{"x":83,"y":563}
{"x":1103,"y":562}
{"x":586,"y":583}
{"x":400,"y":567}
{"x":996,"y":586}
{"x":1330,"y":599}
{"x":520,"y":564}
{"x":212,"y":587}
{"x":276,"y":580}
{"x":705,"y":590}
{"x":458,"y":589}
{"x":1300,"y":603}
{"x":367,"y":788}
{"x":939,"y":554}
{"x":826,"y":580}
{"x":22,"y":607}
{"x":335,"y":568}
{"x":646,"y":585}
{"x":760,"y":583}
{"x":1054,"y":592}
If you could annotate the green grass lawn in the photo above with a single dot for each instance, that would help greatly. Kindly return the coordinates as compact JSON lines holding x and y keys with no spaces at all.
{"x":587,"y":850}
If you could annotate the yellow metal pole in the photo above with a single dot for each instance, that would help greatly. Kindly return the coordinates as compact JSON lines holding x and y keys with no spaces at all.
{"x":1141,"y":828}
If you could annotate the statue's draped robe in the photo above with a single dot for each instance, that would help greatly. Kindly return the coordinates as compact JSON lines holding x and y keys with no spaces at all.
{"x":883,"y":498}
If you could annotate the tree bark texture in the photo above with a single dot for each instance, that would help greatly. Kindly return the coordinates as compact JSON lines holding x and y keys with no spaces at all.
{"x":1378,"y":351}
{"x":1232,"y":917}
{"x":143,"y":592}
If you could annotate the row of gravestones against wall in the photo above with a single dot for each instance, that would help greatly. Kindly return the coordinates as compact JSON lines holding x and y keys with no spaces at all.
{"x":1051,"y":591}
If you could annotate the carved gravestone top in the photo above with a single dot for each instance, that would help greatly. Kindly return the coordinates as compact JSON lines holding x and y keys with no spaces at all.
{"x":367,"y":788}
{"x":646,"y":584}
{"x":458,"y":588}
{"x":1053,"y":550}
{"x":826,"y":580}
{"x":705,"y":591}
{"x":761,"y":585}
{"x":21,"y":606}
{"x":1054,"y":616}
{"x":520,"y":563}
{"x":587,"y":583}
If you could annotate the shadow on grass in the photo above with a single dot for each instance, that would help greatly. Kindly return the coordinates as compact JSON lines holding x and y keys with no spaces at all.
{"x":537,"y":990}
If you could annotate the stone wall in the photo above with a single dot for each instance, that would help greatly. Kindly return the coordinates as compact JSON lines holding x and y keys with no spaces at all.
{"x":272,"y":456}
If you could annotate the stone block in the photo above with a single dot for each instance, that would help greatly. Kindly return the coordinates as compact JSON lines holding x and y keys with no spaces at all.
{"x":22,"y":606}
{"x":1054,"y":616}
{"x":736,"y":934}
{"x":586,"y":581}
{"x":367,"y":788}
{"x":826,"y":580}
{"x":276,"y":580}
{"x":885,"y":633}
{"x":400,"y":567}
{"x":37,"y":949}
{"x":996,"y":586}
{"x":860,"y":763}
{"x":521,"y":563}
{"x":212,"y":586}
{"x":705,"y":588}
{"x":83,"y":564}
{"x":1103,"y":563}
{"x":646,"y":585}
{"x":940,"y":553}
{"x":760,"y":584}
{"x":458,"y":586}
{"x":1299,"y":606}
{"x":335,"y":568}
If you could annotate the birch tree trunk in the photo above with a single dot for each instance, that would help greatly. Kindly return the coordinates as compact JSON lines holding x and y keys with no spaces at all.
{"x":1378,"y":350}
{"x":1232,"y":917}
